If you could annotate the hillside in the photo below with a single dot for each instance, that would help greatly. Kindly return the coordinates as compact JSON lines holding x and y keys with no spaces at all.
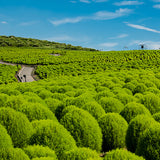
{"x":12,"y":41}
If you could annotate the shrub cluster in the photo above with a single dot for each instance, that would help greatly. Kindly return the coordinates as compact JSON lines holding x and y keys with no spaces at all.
{"x":83,"y":127}
{"x":52,"y":134}
{"x":114,"y":128}
{"x":148,"y":145}
{"x":121,"y":154}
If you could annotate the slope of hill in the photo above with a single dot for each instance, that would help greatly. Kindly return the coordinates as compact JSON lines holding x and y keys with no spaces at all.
{"x":13,"y":41}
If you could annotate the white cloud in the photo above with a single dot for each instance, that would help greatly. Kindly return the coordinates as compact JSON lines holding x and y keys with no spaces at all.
{"x":119,"y":36}
{"x":101,"y":15}
{"x":28,"y":23}
{"x":128,"y":3}
{"x":142,"y":27}
{"x":85,"y":1}
{"x":66,"y":20}
{"x":4,"y":22}
{"x":148,"y":44}
{"x":105,"y":15}
{"x":90,"y":1}
{"x":157,"y":6}
{"x":109,"y":45}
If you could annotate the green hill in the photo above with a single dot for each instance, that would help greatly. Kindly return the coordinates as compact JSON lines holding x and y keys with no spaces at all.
{"x":12,"y":41}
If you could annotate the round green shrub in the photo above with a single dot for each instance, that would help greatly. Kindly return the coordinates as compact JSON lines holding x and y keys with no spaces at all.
{"x":105,"y":93}
{"x":140,"y":88}
{"x":39,"y":151}
{"x":125,"y":98}
{"x":45,"y":94}
{"x":52,"y":134}
{"x":15,"y":102}
{"x":111,"y":104}
{"x":121,"y":154}
{"x":37,"y":111}
{"x":5,"y":139}
{"x":136,"y":128}
{"x":44,"y":158}
{"x":149,"y":143}
{"x":94,"y":109}
{"x":114,"y":128}
{"x":130,"y":86}
{"x":53,"y":104}
{"x":81,"y":154}
{"x":68,"y":109}
{"x":59,"y":96}
{"x":152,"y":102}
{"x":157,"y":117}
{"x":33,"y":97}
{"x":3,"y":99}
{"x":84,"y":128}
{"x":17,"y":126}
{"x":13,"y":154}
{"x":133,"y":109}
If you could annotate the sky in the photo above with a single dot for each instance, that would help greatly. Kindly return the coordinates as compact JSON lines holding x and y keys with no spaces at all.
{"x":100,"y":24}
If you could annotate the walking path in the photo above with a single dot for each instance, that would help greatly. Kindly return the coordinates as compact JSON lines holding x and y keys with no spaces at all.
{"x":25,"y":74}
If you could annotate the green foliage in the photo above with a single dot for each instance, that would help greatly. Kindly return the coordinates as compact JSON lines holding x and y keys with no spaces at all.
{"x":152,"y":102}
{"x":133,"y":109}
{"x":148,"y":145}
{"x":37,"y":111}
{"x":53,"y":135}
{"x":111,"y":104}
{"x":45,"y":158}
{"x":13,"y":154}
{"x":17,"y":126}
{"x":114,"y":129}
{"x":12,"y":41}
{"x":135,"y":129}
{"x":140,"y":88}
{"x":3,"y":99}
{"x":81,"y":154}
{"x":121,"y":154}
{"x":5,"y":139}
{"x":84,"y":128}
{"x":53,"y":104}
{"x":7,"y":74}
{"x":39,"y":151}
{"x":157,"y":117}
{"x":94,"y":109}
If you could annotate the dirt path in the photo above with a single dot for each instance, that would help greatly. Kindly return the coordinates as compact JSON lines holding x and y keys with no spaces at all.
{"x":6,"y":63}
{"x":25,"y":74}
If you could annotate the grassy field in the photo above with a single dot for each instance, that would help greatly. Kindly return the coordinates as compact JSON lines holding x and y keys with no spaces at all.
{"x":86,"y":104}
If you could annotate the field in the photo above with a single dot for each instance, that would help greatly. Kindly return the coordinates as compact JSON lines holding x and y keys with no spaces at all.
{"x":88,"y":105}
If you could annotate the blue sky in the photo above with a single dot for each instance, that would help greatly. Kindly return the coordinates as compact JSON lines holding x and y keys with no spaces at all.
{"x":100,"y":24}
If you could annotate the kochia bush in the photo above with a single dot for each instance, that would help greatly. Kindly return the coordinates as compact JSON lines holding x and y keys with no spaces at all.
{"x":81,"y":153}
{"x":5,"y":139}
{"x":133,"y":109}
{"x":13,"y":154}
{"x":136,"y":128}
{"x":157,"y":117}
{"x":111,"y":104}
{"x":39,"y":151}
{"x":152,"y":102}
{"x":52,"y":134}
{"x":37,"y":111}
{"x":121,"y":154}
{"x":17,"y":125}
{"x":44,"y":158}
{"x":114,"y":128}
{"x":149,"y":143}
{"x":84,"y":128}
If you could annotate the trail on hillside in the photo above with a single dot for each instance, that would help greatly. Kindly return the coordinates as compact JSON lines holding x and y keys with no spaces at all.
{"x":25,"y":74}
